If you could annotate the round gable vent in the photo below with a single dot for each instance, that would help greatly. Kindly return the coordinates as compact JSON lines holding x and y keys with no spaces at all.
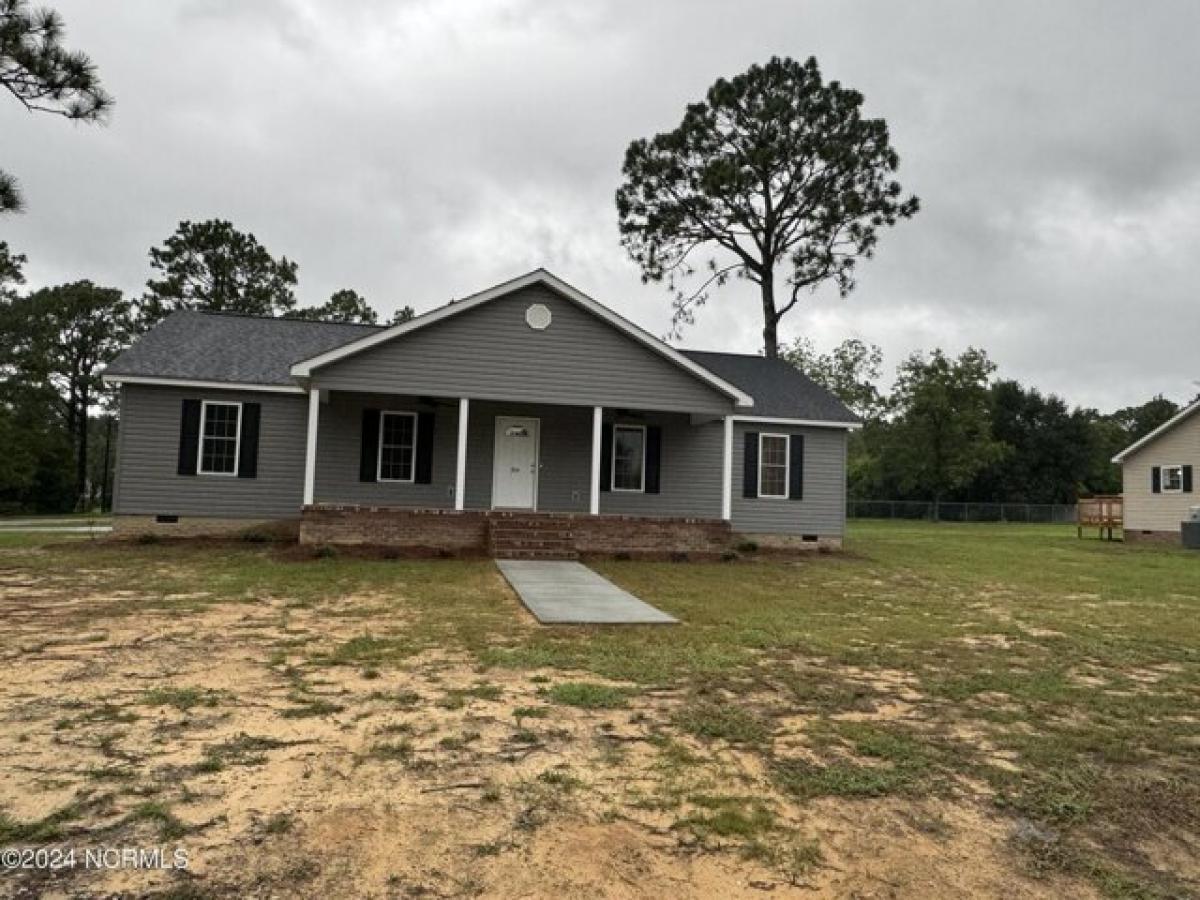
{"x":537,"y":317}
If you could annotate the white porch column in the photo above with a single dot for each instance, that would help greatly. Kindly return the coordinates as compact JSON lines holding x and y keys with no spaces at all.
{"x":597,"y":431}
{"x":460,"y":472}
{"x":727,"y":472}
{"x":310,"y":447}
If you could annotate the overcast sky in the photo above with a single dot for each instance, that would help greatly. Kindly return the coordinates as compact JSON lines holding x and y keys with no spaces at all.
{"x":418,"y":151}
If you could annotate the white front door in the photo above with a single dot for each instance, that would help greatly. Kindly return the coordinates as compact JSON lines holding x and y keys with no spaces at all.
{"x":515,"y":469}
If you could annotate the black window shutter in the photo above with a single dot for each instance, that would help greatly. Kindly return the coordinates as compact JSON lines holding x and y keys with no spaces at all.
{"x":796,"y":467}
{"x":1156,"y":480}
{"x":189,"y":437}
{"x":606,"y":439}
{"x":653,"y":458}
{"x":1187,"y":479}
{"x":424,"y":474}
{"x":368,"y":458}
{"x":750,"y":465}
{"x":248,"y":450}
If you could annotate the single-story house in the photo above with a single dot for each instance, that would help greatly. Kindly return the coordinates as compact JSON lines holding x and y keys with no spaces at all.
{"x":1156,"y":475}
{"x":525,"y":420}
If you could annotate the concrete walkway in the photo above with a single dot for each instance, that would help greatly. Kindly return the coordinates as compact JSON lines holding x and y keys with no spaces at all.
{"x":569,"y":593}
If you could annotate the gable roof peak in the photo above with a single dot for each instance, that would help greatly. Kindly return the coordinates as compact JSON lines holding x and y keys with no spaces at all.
{"x":304,"y":368}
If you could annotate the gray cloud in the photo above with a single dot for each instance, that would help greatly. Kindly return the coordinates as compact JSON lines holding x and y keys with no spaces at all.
{"x":417,"y":151}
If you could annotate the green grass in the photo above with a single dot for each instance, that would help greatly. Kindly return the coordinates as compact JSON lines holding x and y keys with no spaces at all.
{"x":168,"y":825}
{"x":1075,"y":663}
{"x":181,"y":698}
{"x":727,"y":817}
{"x":724,"y":720}
{"x":588,"y":695}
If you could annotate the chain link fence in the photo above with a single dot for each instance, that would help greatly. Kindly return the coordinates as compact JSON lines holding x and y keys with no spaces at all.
{"x":1057,"y":513}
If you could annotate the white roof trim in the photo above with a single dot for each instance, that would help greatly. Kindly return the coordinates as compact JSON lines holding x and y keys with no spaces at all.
{"x":814,"y":423}
{"x":204,"y":385}
{"x":1164,"y":427}
{"x":304,"y":368}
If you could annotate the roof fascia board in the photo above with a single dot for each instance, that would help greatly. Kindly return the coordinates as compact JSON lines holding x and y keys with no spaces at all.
{"x":205,"y":385}
{"x":813,"y":423}
{"x":1161,"y":429}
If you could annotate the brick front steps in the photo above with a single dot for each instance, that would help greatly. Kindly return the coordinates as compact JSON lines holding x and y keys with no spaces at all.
{"x":531,"y":537}
{"x":512,"y":535}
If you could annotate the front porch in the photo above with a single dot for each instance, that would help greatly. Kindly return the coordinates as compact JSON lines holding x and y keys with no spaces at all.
{"x":508,"y":534}
{"x":393,"y":451}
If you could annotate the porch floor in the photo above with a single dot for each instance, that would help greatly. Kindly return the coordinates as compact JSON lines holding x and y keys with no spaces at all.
{"x":569,"y":593}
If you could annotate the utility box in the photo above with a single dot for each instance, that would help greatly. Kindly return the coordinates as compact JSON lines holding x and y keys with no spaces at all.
{"x":1189,"y":529}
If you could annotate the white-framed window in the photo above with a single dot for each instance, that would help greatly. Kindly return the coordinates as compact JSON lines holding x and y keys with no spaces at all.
{"x":220,"y":437}
{"x":629,"y":458}
{"x":397,"y":446}
{"x":773,"y":465}
{"x":1172,"y":479}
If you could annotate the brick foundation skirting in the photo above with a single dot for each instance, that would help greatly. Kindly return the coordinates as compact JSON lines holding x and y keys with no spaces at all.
{"x":444,"y":530}
{"x":467,"y":531}
{"x":650,"y":536}
{"x":791,"y":541}
{"x":1135,"y":536}
{"x":126,"y":526}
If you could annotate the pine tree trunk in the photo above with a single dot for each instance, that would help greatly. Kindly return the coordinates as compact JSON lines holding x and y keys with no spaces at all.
{"x":81,"y":460}
{"x":770,"y":317}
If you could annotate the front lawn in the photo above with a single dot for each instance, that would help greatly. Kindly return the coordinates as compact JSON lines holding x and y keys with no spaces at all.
{"x":943,"y":710}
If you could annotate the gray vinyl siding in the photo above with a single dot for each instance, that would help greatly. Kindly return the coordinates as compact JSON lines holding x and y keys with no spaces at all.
{"x":147,"y":482}
{"x":339,"y":438}
{"x":490,"y":353}
{"x":565,"y":454}
{"x":822,"y":511}
{"x":689,"y":473}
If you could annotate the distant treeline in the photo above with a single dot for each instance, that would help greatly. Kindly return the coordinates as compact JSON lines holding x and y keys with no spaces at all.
{"x":948,"y":430}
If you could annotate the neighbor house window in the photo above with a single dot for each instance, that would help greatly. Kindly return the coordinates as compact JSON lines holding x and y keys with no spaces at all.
{"x":1172,"y":479}
{"x":773,"y":466}
{"x":220,"y":432}
{"x":397,"y":446}
{"x":629,"y":458}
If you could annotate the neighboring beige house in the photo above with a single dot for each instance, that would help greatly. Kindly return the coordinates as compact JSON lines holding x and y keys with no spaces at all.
{"x":1157,"y":477}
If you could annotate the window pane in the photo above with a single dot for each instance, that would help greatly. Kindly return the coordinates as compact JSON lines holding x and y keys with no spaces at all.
{"x":772,"y":466}
{"x":397,"y":447}
{"x":1172,"y":478}
{"x":773,"y":481}
{"x":774,"y":450}
{"x":628,"y":452}
{"x":218,"y":448}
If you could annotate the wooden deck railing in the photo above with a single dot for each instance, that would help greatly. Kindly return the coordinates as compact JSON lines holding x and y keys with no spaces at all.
{"x":1103,"y":513}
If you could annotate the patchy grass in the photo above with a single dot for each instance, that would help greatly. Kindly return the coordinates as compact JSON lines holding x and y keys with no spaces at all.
{"x":746,"y":818}
{"x":588,"y":695}
{"x":182,"y":698}
{"x":725,"y":720}
{"x":1050,"y":683}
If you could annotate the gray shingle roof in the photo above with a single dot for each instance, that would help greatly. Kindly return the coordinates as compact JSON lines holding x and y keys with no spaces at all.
{"x":779,"y":389}
{"x":203,"y":346}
